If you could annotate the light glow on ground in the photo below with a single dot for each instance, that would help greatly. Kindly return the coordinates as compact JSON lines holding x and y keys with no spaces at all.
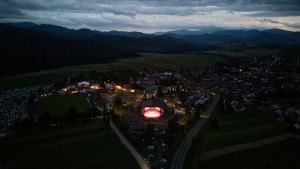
{"x":152,"y":114}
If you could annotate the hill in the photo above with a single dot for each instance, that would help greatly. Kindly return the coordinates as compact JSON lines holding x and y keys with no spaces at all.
{"x":205,"y":39}
{"x":32,"y":47}
{"x":200,"y":31}
{"x":67,"y":33}
{"x":226,"y":36}
{"x":31,"y":50}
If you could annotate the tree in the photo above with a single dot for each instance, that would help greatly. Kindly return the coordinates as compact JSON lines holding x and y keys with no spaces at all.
{"x":168,"y":82}
{"x":90,"y":113}
{"x":188,"y":110}
{"x":148,"y":134}
{"x":118,"y":101}
{"x":183,"y":97}
{"x":196,"y":111}
{"x":171,"y":130}
{"x":172,"y":126}
{"x":159,"y":92}
{"x":23,"y":125}
{"x":108,"y":121}
{"x":93,"y":75}
{"x":130,"y":106}
{"x":113,"y":115}
{"x":105,"y":111}
{"x":145,"y":96}
{"x":45,"y":119}
{"x":71,"y":115}
{"x":137,"y":86}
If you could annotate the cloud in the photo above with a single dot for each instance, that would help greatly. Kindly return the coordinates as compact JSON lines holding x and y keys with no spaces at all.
{"x":293,"y":25}
{"x":267,"y":21}
{"x":158,"y":14}
{"x":171,"y":7}
{"x":9,"y":11}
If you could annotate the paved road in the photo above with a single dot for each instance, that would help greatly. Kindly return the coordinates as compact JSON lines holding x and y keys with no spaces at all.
{"x":132,"y":150}
{"x":136,"y":155}
{"x":185,"y":145}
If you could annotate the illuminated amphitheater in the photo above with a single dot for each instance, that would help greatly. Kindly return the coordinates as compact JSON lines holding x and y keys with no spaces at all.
{"x":152,"y":108}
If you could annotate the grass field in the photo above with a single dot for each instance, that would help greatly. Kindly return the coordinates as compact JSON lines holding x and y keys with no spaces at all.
{"x":237,"y":50}
{"x":59,"y":104}
{"x":88,"y":144}
{"x":238,"y":128}
{"x":235,"y":128}
{"x":284,"y":154}
{"x":160,"y":61}
{"x":169,"y":61}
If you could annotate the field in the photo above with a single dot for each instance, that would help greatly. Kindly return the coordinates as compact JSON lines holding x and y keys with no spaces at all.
{"x":284,"y":154}
{"x":154,"y":60}
{"x":238,"y":128}
{"x":237,"y":50}
{"x":235,"y":129}
{"x":59,"y":104}
{"x":168,"y":61}
{"x":85,"y":145}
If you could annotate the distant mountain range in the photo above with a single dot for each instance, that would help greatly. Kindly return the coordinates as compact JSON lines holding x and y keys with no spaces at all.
{"x":205,"y":35}
{"x":223,"y":36}
{"x":63,"y":32}
{"x":31,"y":47}
{"x":203,"y":30}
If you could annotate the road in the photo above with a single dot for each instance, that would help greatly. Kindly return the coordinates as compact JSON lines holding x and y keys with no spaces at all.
{"x":185,"y":145}
{"x":136,"y":155}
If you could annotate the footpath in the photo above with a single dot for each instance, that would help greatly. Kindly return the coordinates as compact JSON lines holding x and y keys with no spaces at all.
{"x":239,"y":147}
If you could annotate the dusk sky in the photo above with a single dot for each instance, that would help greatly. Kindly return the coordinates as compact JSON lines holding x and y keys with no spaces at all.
{"x":155,"y":15}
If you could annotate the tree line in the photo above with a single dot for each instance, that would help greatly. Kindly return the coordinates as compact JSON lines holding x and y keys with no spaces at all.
{"x":46,"y":119}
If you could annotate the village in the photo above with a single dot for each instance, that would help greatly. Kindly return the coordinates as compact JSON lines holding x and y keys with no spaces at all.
{"x":242,"y":85}
{"x":251,"y":83}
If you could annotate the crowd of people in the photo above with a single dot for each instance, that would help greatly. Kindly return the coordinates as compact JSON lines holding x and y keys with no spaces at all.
{"x":13,"y":106}
{"x":136,"y":123}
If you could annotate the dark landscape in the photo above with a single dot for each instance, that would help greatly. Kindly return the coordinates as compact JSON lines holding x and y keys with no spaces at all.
{"x":150,"y":84}
{"x":60,"y":46}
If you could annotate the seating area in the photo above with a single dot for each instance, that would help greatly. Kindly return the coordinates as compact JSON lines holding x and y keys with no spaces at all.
{"x":137,"y":123}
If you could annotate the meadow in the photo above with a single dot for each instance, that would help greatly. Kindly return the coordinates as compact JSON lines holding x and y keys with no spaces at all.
{"x":89,"y":144}
{"x":283,"y":154}
{"x":240,"y":128}
{"x":59,"y":104}
{"x":150,"y":60}
{"x":238,"y":50}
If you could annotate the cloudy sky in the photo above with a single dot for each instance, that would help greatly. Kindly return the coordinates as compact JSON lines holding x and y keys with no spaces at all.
{"x":155,"y":15}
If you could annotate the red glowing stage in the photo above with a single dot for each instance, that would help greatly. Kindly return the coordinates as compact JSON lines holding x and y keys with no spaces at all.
{"x":152,"y":112}
{"x":152,"y":108}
